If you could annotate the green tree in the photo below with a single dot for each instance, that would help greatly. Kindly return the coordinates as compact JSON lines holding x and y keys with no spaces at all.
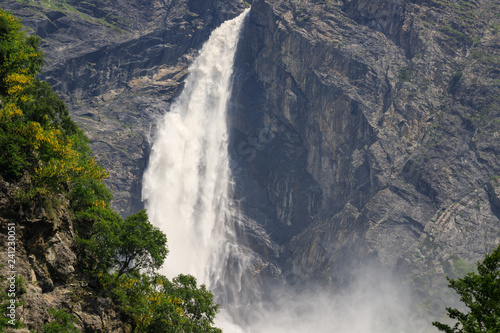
{"x":142,"y":246}
{"x":19,"y":54}
{"x":158,"y":305}
{"x":37,"y":135}
{"x":126,"y":246}
{"x":480,"y":292}
{"x":189,"y":308}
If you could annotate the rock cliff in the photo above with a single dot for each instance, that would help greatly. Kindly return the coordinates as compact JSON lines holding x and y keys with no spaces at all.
{"x":118,"y":64}
{"x":45,"y":261}
{"x":369,"y":131}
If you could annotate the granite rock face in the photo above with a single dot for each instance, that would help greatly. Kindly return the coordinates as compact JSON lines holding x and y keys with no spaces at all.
{"x":369,"y":131}
{"x":45,"y":261}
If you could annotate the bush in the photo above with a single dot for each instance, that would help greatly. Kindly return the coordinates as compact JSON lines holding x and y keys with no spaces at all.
{"x":37,"y":135}
{"x":63,"y":322}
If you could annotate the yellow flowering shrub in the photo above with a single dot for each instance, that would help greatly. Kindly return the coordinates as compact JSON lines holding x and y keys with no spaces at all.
{"x":37,"y":135}
{"x":17,"y":83}
{"x":9,"y":111}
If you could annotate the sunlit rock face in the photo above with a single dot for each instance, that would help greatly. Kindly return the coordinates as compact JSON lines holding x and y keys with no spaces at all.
{"x":368,"y":131}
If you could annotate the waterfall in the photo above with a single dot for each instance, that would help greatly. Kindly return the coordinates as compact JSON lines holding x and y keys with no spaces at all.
{"x":186,"y":184}
{"x":186,"y":191}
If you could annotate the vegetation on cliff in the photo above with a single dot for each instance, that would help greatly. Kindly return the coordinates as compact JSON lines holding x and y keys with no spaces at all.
{"x":43,"y":148}
{"x":480,"y":292}
{"x":37,"y":135}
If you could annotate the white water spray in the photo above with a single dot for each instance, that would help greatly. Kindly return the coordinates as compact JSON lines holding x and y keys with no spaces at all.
{"x":186,"y":183}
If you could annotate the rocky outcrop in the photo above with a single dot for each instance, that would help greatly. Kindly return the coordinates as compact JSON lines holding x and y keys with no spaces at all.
{"x":45,"y":263}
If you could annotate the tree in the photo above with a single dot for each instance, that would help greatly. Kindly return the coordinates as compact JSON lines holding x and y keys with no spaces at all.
{"x":20,"y":58}
{"x":158,"y":305}
{"x":142,"y":246}
{"x":125,"y":246}
{"x":37,"y":135}
{"x":480,"y":292}
{"x":194,"y":312}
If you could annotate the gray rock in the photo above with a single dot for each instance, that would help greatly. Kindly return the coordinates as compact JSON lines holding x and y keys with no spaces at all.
{"x":44,"y":260}
{"x":388,"y":140}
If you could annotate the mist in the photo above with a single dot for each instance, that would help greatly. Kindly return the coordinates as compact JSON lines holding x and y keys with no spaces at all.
{"x":374,"y":302}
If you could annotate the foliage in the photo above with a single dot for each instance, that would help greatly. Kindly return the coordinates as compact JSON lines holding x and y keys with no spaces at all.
{"x":460,"y":268}
{"x":480,"y":292}
{"x":20,"y":58}
{"x":125,"y":246}
{"x":63,"y":322}
{"x":87,"y":193}
{"x":64,"y":6}
{"x":37,"y":135}
{"x":157,"y":304}
{"x":195,"y":309}
{"x":404,"y":74}
{"x":20,"y":285}
{"x":141,"y":245}
{"x":151,"y":303}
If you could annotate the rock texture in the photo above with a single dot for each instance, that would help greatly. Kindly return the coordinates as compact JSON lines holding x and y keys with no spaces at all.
{"x":45,"y":261}
{"x":369,"y":131}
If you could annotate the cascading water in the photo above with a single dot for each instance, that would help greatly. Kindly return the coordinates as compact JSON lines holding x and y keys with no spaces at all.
{"x":187,"y":181}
